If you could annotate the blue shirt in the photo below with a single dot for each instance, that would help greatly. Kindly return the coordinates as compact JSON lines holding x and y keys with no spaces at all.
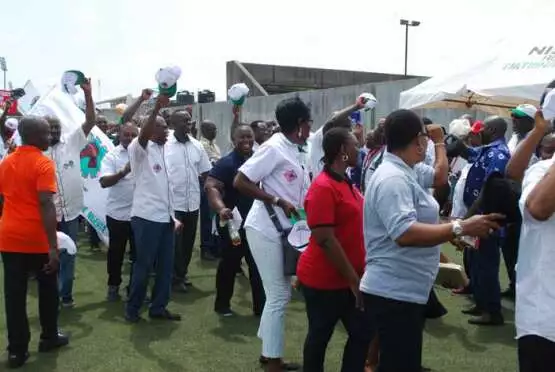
{"x":486,"y":160}
{"x":225,"y":170}
{"x":356,"y":172}
{"x":396,"y":198}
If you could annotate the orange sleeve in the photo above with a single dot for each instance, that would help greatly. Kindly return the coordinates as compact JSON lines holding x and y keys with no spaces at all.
{"x":46,"y":176}
{"x":1,"y":178}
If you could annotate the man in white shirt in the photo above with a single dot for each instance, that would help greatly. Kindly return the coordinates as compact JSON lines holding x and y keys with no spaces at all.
{"x":187,"y":161}
{"x":152,"y":219}
{"x":535,"y":300}
{"x":115,"y":174}
{"x":316,"y":152}
{"x":523,"y":122}
{"x":65,"y":152}
{"x":262,"y":133}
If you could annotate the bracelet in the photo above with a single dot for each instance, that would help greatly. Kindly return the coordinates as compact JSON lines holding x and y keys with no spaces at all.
{"x":439,"y":144}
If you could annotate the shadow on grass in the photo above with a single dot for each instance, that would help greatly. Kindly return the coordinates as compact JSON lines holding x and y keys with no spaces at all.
{"x":44,"y":361}
{"x":235,"y":329}
{"x":143,"y":335}
{"x":93,"y":256}
{"x":440,"y":329}
{"x":194,"y":294}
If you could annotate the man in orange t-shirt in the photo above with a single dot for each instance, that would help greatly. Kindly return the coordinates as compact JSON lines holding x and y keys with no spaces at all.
{"x":28,"y":241}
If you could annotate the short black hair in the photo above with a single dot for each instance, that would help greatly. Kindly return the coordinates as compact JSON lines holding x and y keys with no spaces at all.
{"x":28,"y":127}
{"x":401,"y":128}
{"x":427,"y":120}
{"x":254,"y":124}
{"x":548,"y":88}
{"x":332,"y":142}
{"x":290,"y":112}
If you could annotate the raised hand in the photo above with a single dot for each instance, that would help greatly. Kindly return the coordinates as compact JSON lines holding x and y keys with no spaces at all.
{"x":86,"y":86}
{"x":435,"y":132}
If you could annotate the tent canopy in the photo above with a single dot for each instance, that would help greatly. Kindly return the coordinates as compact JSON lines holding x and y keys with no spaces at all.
{"x":516,"y":74}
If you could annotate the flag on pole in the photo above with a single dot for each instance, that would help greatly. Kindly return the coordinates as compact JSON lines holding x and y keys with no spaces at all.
{"x":62,"y":106}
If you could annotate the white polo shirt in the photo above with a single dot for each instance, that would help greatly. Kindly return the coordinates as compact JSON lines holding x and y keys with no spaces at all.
{"x":316,"y":152}
{"x":151,"y":198}
{"x":120,"y":196}
{"x":535,"y":274}
{"x":67,"y":156}
{"x":277,"y":166}
{"x":186,"y":162}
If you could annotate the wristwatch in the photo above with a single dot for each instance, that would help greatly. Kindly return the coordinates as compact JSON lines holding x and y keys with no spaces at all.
{"x":457,"y":228}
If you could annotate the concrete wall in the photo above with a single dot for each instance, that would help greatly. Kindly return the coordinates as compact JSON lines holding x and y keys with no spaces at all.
{"x":286,"y":79}
{"x":324,"y":103}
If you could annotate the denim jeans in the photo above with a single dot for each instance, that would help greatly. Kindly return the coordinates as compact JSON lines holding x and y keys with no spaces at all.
{"x":485,"y":274}
{"x":207,"y":239}
{"x":153,"y":243}
{"x":67,"y":261}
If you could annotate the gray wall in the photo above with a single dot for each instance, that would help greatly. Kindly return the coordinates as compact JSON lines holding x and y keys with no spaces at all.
{"x":324,"y":102}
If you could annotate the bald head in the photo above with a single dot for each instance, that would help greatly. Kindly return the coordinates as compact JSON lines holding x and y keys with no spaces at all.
{"x":35,"y":131}
{"x":208,"y":130}
{"x":495,"y":128}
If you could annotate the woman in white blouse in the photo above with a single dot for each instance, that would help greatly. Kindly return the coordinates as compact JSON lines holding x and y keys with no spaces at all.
{"x":278,"y":168}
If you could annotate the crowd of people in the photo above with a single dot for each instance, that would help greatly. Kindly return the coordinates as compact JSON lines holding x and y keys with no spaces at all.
{"x":379,"y":208}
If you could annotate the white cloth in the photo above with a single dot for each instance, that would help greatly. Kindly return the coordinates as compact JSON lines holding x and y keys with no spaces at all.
{"x":186,"y":162}
{"x":458,"y":164}
{"x":277,"y":165}
{"x":120,"y":196}
{"x":267,"y":254}
{"x":535,"y":293}
{"x":151,"y":199}
{"x":430,"y":153}
{"x":459,"y":209}
{"x":255,"y":146}
{"x":67,"y":156}
{"x":316,"y":153}
{"x":65,"y":243}
{"x":513,"y":143}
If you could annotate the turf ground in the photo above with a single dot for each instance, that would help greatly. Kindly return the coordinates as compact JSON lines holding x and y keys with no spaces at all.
{"x":102,"y":341}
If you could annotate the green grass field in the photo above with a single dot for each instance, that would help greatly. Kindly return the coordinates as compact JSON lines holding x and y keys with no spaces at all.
{"x":102,"y":341}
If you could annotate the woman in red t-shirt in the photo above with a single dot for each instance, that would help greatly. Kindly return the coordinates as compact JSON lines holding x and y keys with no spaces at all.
{"x":330,"y":269}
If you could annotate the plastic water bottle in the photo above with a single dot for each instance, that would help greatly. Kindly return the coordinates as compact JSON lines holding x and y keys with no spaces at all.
{"x":234,"y":234}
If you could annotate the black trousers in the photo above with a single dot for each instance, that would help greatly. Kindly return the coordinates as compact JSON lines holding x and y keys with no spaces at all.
{"x":399,"y":326}
{"x":535,"y":354}
{"x":324,"y":308}
{"x":17,"y":267}
{"x":184,"y":243}
{"x":228,"y":267}
{"x":509,"y":248}
{"x":120,"y":233}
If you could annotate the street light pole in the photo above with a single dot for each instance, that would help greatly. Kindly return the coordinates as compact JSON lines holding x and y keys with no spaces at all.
{"x":407,"y":24}
{"x":4,"y":68}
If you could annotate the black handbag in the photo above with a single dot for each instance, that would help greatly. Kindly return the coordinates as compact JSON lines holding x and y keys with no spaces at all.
{"x":290,"y":254}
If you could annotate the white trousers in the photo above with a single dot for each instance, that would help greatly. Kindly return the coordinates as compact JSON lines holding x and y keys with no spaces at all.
{"x":267,"y":254}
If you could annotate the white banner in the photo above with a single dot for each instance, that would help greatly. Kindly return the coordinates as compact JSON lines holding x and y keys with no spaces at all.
{"x":62,"y":106}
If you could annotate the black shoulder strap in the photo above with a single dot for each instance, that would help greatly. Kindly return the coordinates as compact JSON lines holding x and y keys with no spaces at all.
{"x":275,"y":219}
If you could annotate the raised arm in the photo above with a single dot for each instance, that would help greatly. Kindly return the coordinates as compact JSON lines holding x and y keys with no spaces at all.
{"x":110,"y":180}
{"x":441,"y":165}
{"x":132,"y":109}
{"x":540,"y":202}
{"x":90,"y":111}
{"x":521,"y":158}
{"x":3,"y":118}
{"x":148,"y":129}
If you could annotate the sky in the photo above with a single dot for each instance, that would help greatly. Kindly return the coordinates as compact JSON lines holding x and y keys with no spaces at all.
{"x":121,"y":44}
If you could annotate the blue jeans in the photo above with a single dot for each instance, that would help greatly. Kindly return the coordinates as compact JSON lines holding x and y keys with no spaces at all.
{"x":485,"y":274}
{"x":67,"y":261}
{"x":154,"y":242}
{"x":207,"y":241}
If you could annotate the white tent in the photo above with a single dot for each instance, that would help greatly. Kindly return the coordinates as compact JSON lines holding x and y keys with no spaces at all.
{"x":517,"y":73}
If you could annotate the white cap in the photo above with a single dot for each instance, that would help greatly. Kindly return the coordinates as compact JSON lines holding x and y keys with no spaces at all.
{"x":548,"y":107}
{"x":167,"y":77}
{"x":460,"y":128}
{"x":525,"y":110}
{"x":238,"y":92}
{"x":12,"y":124}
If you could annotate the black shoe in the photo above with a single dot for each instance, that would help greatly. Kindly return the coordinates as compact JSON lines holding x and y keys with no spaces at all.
{"x":226,"y":313}
{"x":488,"y":319}
{"x":165,"y":315}
{"x":133,"y":319}
{"x":285,"y":366}
{"x":509,"y":294}
{"x":474,"y":311}
{"x":17,"y":360}
{"x":207,"y":256}
{"x":180,"y":287}
{"x":46,"y":345}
